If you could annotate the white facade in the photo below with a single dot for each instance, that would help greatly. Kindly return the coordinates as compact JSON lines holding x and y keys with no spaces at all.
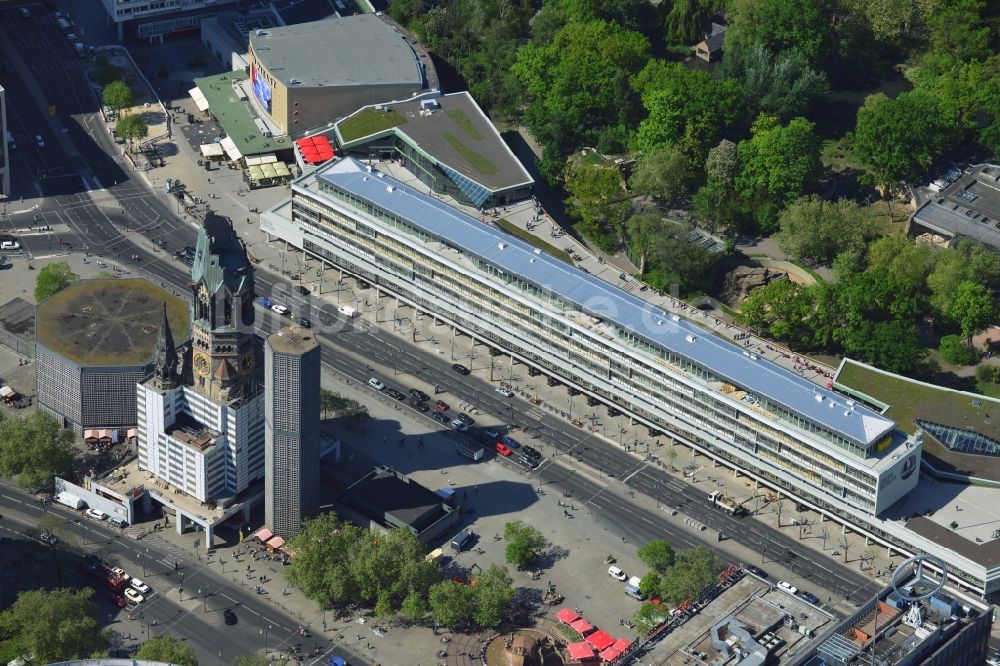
{"x":224,"y":467}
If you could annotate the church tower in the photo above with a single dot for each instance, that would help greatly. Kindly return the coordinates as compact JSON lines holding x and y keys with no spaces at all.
{"x":224,"y":348}
{"x":165,"y":375}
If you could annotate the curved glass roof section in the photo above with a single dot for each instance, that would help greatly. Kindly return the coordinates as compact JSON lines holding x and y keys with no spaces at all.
{"x":960,"y":439}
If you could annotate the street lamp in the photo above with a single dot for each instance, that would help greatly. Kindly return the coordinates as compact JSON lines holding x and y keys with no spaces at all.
{"x":264,"y":632}
{"x":180,"y":592}
{"x":204,"y":610}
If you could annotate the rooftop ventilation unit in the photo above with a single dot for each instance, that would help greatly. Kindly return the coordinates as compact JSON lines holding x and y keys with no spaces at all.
{"x":818,"y":398}
{"x":390,"y":188}
{"x":690,"y":338}
{"x":538,"y":250}
{"x":675,"y":317}
{"x":501,"y":245}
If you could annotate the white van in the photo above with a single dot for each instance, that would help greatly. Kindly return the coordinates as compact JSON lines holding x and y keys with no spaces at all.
{"x":64,"y":25}
{"x":347,"y":311}
{"x":118,"y":521}
{"x":70,"y":500}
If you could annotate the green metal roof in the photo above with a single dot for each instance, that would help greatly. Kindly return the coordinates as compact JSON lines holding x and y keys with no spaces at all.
{"x":235,"y":116}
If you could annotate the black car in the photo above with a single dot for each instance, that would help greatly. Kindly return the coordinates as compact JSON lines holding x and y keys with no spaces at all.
{"x":229,"y":616}
{"x":305,"y":323}
{"x":530,"y":451}
{"x":460,"y":369}
{"x":419,"y":405}
{"x":756,"y":571}
{"x":440,"y":416}
{"x":466,"y":419}
{"x":393,"y":393}
{"x":528,"y":462}
{"x":302,"y":290}
{"x":419,"y":395}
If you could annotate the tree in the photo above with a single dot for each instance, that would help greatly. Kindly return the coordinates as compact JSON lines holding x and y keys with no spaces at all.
{"x":117,"y":96}
{"x":642,"y":232}
{"x":968,"y":261}
{"x":778,"y":25}
{"x":777,"y":84}
{"x":324,"y":548}
{"x":777,"y":164}
{"x":686,"y":20}
{"x":722,"y":165}
{"x":665,"y":173}
{"x":816,"y":230}
{"x":383,"y":606}
{"x":974,"y":309}
{"x":414,"y":606}
{"x":132,"y":128}
{"x":890,"y":19}
{"x":597,"y":201}
{"x":650,"y":584}
{"x":898,"y":139}
{"x":35,"y":448}
{"x":650,"y":616}
{"x":958,"y":28}
{"x":494,"y":594}
{"x":251,"y":660}
{"x":694,"y":570}
{"x":55,"y":625}
{"x":657,"y":555}
{"x":451,"y":603}
{"x":685,"y":107}
{"x":52,"y":279}
{"x":523,"y":543}
{"x":168,"y":650}
{"x":404,"y":11}
{"x":957,"y":351}
{"x":782,"y":309}
{"x":677,"y":260}
{"x":570,"y":83}
{"x":716,"y":205}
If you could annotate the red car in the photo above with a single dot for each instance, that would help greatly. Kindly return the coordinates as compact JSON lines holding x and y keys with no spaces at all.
{"x":503,"y":449}
{"x":441,"y":406}
{"x":116,"y":600}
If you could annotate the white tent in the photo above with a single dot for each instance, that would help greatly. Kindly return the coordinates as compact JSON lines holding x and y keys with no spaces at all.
{"x":199,"y":99}
{"x":212,"y":150}
{"x":232,"y":151}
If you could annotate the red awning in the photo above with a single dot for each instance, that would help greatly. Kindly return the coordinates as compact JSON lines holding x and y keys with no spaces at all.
{"x":622,"y":645}
{"x":582,"y":626}
{"x":264,"y":534}
{"x":567,"y":616}
{"x":610,"y":654}
{"x":580,"y":650}
{"x":276,"y":542}
{"x":600,"y":640}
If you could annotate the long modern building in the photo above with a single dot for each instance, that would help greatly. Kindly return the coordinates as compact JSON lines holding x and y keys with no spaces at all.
{"x":291,"y":429}
{"x":830,"y":451}
{"x":4,"y":148}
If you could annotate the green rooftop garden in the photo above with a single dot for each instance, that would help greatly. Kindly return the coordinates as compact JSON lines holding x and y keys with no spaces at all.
{"x":478,"y":162}
{"x":460,"y":118}
{"x":526,"y":235}
{"x":911,"y":400}
{"x":368,"y":122}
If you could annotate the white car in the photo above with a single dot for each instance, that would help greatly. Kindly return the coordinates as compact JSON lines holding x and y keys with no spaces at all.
{"x":96,"y":514}
{"x":459,"y":425}
{"x":134,"y":596}
{"x":617,"y":574}
{"x":39,"y":140}
{"x":787,"y":587}
{"x":376,"y":384}
{"x":139,"y":585}
{"x":504,"y":391}
{"x":23,"y":11}
{"x":10,"y":245}
{"x":280,"y":309}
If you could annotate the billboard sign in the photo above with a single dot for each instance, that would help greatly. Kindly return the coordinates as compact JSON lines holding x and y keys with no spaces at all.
{"x":261,"y":89}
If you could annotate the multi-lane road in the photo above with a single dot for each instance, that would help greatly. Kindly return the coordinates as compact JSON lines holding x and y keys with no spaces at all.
{"x":206,"y":593}
{"x":104,"y":207}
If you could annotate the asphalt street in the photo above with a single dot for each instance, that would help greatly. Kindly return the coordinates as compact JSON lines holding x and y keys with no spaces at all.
{"x":205,"y":592}
{"x":96,"y":204}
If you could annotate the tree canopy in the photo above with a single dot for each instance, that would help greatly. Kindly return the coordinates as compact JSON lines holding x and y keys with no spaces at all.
{"x":816,"y":230}
{"x":778,"y":25}
{"x":657,"y":555}
{"x":523,"y":543}
{"x":55,"y":625}
{"x":117,"y":96}
{"x":35,"y":449}
{"x":169,"y":650}
{"x":597,"y":201}
{"x":777,"y":84}
{"x":53,"y":278}
{"x":482,"y":605}
{"x":132,"y":128}
{"x":665,"y":173}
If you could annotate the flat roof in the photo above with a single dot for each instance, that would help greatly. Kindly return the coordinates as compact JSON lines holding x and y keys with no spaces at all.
{"x":456,"y":134}
{"x":386,"y":493}
{"x":357,"y":50}
{"x":109,"y":322}
{"x":969,"y":207}
{"x":235,"y":116}
{"x":292,"y":340}
{"x":910,"y":400}
{"x":597,"y":298}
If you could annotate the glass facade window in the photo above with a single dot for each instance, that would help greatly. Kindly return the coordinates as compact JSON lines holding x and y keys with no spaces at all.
{"x":961,"y":440}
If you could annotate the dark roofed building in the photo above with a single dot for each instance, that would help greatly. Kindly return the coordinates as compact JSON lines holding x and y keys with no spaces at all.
{"x":96,"y":339}
{"x":389,"y":499}
{"x":713,"y":39}
{"x":968,"y":208}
